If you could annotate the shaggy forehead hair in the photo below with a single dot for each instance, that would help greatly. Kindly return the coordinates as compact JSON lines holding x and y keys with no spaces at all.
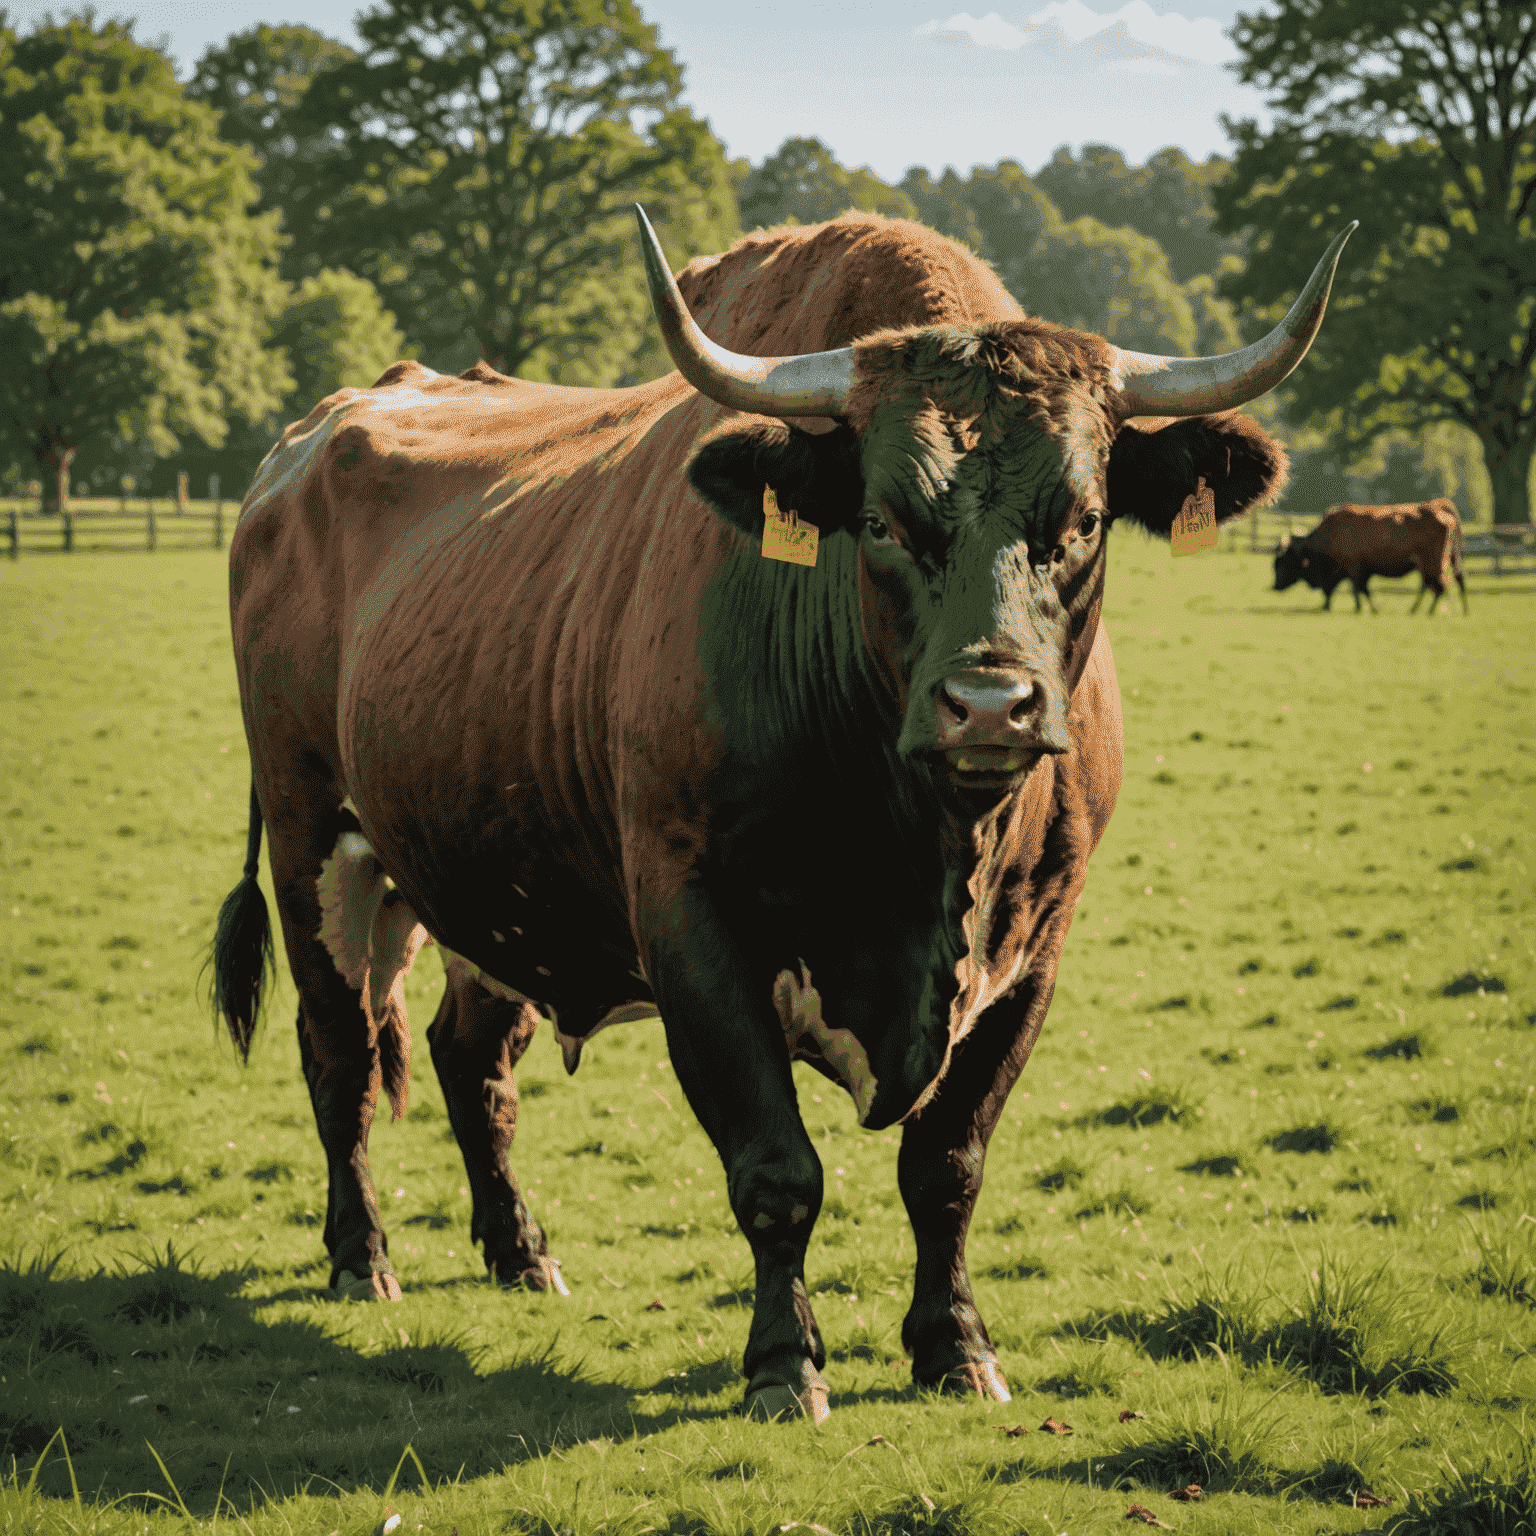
{"x":958,"y":387}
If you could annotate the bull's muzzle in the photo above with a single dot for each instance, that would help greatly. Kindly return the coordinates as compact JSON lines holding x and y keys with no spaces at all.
{"x":994,"y":722}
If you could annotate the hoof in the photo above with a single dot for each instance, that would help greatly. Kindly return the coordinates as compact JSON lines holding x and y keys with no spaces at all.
{"x":369,"y":1287}
{"x":542,"y":1275}
{"x":983,"y":1378}
{"x":777,"y":1401}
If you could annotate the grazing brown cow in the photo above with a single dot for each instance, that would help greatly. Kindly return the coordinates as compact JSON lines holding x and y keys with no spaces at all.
{"x":1360,"y":542}
{"x":516,"y":674}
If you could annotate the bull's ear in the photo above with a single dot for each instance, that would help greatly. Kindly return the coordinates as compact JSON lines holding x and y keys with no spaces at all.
{"x":815,"y":474}
{"x":1152,"y":471}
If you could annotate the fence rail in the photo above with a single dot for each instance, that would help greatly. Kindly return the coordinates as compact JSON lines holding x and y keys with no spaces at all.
{"x":115,"y":527}
{"x":104,"y":525}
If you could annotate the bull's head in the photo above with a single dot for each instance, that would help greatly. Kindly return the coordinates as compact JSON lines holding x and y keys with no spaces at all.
{"x":980,"y":468}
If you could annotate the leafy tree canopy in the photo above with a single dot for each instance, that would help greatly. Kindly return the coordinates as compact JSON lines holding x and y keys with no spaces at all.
{"x":135,"y":292}
{"x":256,"y":81}
{"x":1116,"y":282}
{"x":1111,"y":281}
{"x":1418,"y":120}
{"x":1168,"y":199}
{"x":335,"y":333}
{"x":801,"y":182}
{"x":485,"y":156}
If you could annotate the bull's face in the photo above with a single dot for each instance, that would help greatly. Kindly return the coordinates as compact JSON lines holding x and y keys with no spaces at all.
{"x":981,"y":505}
{"x":981,"y":570}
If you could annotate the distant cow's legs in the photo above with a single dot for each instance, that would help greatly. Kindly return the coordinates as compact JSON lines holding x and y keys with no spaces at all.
{"x":728,"y":1051}
{"x":1436,"y":589}
{"x":939,"y":1171}
{"x":477,"y":1039}
{"x":1362,"y":586}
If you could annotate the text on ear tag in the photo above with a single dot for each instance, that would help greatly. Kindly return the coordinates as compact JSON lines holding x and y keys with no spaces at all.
{"x":1194,"y":529}
{"x":782,"y":540}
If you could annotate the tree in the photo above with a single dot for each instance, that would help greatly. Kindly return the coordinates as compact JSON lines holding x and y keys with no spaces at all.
{"x":333,"y":332}
{"x":485,"y":156}
{"x":256,"y":82}
{"x":134,"y":290}
{"x":1417,"y":119}
{"x":1167,"y":199}
{"x":1114,"y":282}
{"x":801,"y":182}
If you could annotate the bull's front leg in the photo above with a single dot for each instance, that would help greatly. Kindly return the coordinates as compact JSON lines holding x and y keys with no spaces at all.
{"x":939,"y":1170}
{"x":728,"y":1051}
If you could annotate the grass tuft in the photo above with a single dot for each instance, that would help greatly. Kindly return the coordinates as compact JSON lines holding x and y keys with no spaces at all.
{"x":168,"y":1289}
{"x":1495,"y":1498}
{"x":1140,"y":1112}
{"x":1506,"y":1265}
{"x":1227,"y":1440}
{"x":1307,"y":1138}
{"x":1360,"y":1331}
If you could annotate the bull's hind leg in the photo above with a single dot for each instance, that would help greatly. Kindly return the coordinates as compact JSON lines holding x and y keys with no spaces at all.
{"x":477,"y":1039}
{"x":353,"y":1037}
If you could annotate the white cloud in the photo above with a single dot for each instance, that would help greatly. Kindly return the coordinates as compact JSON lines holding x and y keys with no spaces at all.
{"x":966,"y":31}
{"x":1133,"y":38}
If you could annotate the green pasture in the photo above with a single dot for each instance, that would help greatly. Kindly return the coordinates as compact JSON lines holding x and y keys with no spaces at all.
{"x":1267,"y":1184}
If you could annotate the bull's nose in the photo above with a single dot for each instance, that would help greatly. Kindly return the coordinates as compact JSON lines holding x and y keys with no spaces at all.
{"x":985,"y":705}
{"x":993,"y":708}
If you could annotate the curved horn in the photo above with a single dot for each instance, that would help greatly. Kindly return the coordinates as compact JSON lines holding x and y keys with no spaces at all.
{"x":812,"y":384}
{"x":1190,"y":386}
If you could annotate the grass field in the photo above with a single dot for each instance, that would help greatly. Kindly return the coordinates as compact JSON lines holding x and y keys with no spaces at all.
{"x":1267,"y":1184}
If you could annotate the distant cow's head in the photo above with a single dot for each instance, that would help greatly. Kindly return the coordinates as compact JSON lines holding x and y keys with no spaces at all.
{"x":980,"y":468}
{"x":1295,"y":560}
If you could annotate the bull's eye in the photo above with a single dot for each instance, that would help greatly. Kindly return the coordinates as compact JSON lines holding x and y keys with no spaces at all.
{"x":1089,"y":526}
{"x":879,"y":530}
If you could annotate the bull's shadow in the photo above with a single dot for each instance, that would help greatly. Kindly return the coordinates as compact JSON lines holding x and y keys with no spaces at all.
{"x":232,"y":1394}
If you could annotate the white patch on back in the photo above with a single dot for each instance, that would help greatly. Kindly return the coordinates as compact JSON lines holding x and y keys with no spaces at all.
{"x":808,"y":1035}
{"x":370,"y":932}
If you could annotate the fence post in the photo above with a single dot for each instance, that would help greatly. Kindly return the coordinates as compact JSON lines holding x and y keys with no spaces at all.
{"x":218,"y":526}
{"x":149,"y":527}
{"x":69,"y":532}
{"x":181,"y":491}
{"x":13,"y":528}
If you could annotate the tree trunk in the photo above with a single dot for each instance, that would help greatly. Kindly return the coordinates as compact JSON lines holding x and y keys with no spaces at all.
{"x":59,"y":501}
{"x":1510,"y":472}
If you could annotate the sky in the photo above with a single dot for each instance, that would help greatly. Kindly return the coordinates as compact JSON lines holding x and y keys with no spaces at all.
{"x":884,"y":83}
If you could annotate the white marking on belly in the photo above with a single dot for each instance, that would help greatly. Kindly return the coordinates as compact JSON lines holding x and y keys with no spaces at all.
{"x":369,"y":930}
{"x":799,"y":1009}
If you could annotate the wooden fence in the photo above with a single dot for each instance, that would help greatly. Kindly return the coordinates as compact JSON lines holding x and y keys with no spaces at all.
{"x":102,"y":525}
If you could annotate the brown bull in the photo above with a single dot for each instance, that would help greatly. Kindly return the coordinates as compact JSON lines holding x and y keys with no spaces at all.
{"x":1360,"y":542}
{"x":516,"y":674}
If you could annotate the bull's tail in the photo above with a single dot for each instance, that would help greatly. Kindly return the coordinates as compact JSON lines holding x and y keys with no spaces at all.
{"x":242,"y":956}
{"x":1453,"y":554}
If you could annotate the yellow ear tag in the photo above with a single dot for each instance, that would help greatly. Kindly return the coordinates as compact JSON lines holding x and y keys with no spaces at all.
{"x":795,"y":543}
{"x":1194,"y":529}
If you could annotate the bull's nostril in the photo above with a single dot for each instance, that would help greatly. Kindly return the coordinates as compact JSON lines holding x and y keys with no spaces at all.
{"x":1023,"y":705}
{"x":953,"y":705}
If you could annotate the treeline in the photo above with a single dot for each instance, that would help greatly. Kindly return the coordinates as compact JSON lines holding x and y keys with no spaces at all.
{"x":189,"y":266}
